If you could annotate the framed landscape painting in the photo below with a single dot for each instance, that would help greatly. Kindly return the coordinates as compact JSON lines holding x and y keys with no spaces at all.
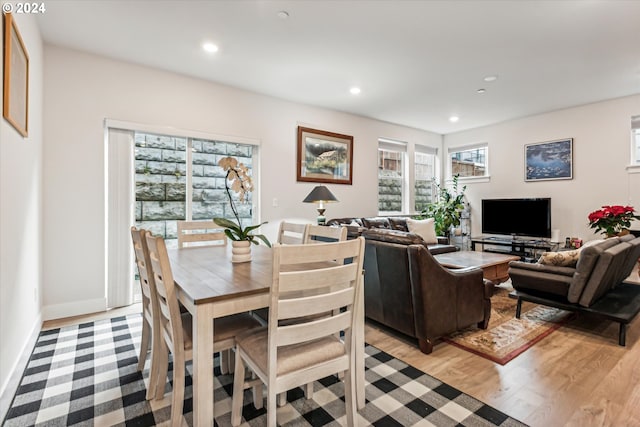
{"x":324,"y":156}
{"x":549,"y":160}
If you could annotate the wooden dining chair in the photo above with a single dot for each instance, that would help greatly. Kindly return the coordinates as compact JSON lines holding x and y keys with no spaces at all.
{"x":308,"y":280}
{"x":323,"y":234}
{"x":291,"y":233}
{"x":150,"y":322}
{"x":197,"y":232}
{"x":176,"y":329}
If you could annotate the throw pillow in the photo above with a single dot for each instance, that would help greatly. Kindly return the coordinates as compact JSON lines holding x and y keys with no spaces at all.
{"x":561,"y":259}
{"x":425,"y":228}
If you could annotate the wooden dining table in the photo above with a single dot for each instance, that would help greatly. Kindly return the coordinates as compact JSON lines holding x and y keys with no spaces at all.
{"x":209,"y":285}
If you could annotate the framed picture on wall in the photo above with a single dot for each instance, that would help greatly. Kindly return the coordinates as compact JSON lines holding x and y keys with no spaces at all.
{"x":324,"y":156}
{"x":15,"y":102}
{"x":549,"y":160}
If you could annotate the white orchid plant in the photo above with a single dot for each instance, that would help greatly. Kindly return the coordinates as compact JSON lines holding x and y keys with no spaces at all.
{"x":238,"y":179}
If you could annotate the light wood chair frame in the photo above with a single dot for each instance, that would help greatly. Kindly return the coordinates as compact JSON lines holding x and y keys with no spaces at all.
{"x":210,"y":232}
{"x":291,"y":233}
{"x":307,"y":283}
{"x":338,"y":234}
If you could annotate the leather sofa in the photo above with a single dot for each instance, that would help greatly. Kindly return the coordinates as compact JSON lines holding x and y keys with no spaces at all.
{"x":407,"y":290}
{"x":355,"y":227}
{"x":595,"y":284}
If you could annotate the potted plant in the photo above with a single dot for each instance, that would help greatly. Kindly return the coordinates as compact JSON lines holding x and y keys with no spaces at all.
{"x":237,"y":179}
{"x":612,"y":220}
{"x":447,"y":209}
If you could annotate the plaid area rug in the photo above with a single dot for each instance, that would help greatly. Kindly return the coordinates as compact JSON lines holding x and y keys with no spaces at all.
{"x":86,"y":375}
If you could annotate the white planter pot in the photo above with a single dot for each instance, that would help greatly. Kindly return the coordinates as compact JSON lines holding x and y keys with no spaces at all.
{"x":240,"y":251}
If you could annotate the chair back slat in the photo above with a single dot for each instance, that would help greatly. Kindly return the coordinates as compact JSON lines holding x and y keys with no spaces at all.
{"x":291,"y":233}
{"x":310,"y":305}
{"x":316,"y":253}
{"x":138,"y":236}
{"x":200,"y":232}
{"x":313,"y":329}
{"x":321,"y":234}
{"x":319,"y":278}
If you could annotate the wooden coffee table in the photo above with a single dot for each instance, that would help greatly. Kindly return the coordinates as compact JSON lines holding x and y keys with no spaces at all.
{"x":495,"y":267}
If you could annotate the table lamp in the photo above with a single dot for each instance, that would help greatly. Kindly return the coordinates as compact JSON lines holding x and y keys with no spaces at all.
{"x":320,"y":195}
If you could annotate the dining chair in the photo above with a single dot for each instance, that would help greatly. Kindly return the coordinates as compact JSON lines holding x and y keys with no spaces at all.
{"x":308,"y":280}
{"x":291,"y":233}
{"x":323,"y":234}
{"x":150,"y":322}
{"x":196,"y":232}
{"x":176,"y":329}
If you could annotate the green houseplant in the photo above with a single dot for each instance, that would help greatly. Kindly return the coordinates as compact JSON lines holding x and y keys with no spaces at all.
{"x":448,"y":207}
{"x":237,"y":179}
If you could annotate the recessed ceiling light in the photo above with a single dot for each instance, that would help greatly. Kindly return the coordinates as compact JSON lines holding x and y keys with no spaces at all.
{"x":283,"y":14}
{"x":454,"y":119}
{"x":481,"y":90}
{"x":355,"y":90}
{"x":210,"y":47}
{"x":490,"y":78}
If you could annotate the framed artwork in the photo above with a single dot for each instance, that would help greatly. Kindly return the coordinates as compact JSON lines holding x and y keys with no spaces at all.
{"x":549,"y":160}
{"x":324,"y":156}
{"x":15,"y":103}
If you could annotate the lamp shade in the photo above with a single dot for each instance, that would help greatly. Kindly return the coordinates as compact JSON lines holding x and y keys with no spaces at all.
{"x":320,"y":194}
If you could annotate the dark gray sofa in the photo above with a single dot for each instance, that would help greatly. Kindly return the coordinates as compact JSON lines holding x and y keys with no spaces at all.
{"x":594,"y":285}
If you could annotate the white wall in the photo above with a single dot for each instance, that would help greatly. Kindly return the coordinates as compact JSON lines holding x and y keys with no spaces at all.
{"x":81,"y":90}
{"x":601,"y":153}
{"x":21,"y":217}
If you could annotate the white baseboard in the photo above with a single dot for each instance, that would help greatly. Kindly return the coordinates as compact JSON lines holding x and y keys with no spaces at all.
{"x":77,"y":308}
{"x":10,"y":387}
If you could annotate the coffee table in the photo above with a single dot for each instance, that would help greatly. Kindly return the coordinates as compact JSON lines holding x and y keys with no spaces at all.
{"x":495,"y":267}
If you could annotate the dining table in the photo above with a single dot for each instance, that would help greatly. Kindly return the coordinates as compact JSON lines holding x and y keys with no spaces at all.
{"x":209,"y":286}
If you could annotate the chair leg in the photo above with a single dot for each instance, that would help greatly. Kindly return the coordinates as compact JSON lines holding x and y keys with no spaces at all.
{"x":224,"y":362}
{"x":271,"y":406}
{"x":308,"y":390}
{"x":282,"y":399}
{"x":426,"y":345}
{"x":153,"y":370}
{"x":257,"y":392}
{"x":178,"y":390}
{"x":350,"y":397}
{"x":159,"y":371}
{"x":238,"y":391}
{"x":145,"y":341}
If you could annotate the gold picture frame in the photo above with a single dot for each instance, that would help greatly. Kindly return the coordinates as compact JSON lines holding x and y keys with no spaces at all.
{"x":15,"y":104}
{"x":324,"y":157}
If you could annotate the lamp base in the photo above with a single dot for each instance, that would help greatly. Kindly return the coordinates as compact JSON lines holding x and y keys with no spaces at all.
{"x":321,"y":218}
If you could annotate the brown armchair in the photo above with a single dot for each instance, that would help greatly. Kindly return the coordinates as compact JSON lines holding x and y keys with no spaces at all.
{"x":406,"y":289}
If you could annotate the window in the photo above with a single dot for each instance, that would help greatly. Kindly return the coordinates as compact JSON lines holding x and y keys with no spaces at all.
{"x":425,"y":172}
{"x":635,"y":140}
{"x":391,"y":165}
{"x":469,"y":161}
{"x":179,"y":178}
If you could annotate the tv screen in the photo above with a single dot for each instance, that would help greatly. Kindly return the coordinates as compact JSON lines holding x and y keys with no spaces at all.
{"x":517,"y":217}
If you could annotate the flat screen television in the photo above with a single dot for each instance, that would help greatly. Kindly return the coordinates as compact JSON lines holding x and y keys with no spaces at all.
{"x":517,"y":217}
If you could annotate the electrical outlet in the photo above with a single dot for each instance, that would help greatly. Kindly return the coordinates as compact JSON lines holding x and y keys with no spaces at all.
{"x":274,"y":203}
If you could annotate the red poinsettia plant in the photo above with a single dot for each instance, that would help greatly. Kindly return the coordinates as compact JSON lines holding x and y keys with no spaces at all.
{"x":611,"y":220}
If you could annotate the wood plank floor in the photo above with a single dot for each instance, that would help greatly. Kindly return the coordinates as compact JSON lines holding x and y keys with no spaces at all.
{"x":577,"y":376}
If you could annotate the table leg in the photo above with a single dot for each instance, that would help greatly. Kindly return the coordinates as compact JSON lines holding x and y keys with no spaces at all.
{"x":203,"y":413}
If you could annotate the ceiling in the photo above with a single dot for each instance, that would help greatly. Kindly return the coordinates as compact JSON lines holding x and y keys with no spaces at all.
{"x":417,"y":62}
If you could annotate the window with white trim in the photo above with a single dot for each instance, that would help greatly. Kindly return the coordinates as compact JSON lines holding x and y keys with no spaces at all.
{"x":424,"y":175}
{"x":469,"y":161}
{"x":391,"y":173}
{"x":635,"y":140}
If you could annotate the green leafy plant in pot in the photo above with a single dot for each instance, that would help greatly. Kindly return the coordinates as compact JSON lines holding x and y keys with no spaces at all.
{"x":447,"y":209}
{"x":237,"y":179}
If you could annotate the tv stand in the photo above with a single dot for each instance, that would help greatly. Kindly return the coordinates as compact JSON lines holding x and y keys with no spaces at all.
{"x":528,"y":249}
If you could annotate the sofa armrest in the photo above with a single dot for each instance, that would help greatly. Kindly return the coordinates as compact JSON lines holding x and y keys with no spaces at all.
{"x":541,"y":268}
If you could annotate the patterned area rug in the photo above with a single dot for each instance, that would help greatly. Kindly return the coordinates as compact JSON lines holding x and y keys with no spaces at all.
{"x":507,"y":337}
{"x":86,"y":375}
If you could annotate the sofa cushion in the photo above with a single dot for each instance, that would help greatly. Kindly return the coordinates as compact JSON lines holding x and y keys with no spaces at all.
{"x":375,"y":223}
{"x":392,"y":236}
{"x":425,"y":228}
{"x":399,"y":224}
{"x":586,"y":262}
{"x":561,"y":259}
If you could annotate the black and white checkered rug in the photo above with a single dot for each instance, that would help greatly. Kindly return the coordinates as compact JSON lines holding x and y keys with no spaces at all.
{"x":86,"y":375}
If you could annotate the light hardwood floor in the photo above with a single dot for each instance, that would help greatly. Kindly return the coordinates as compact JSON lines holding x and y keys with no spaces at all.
{"x":577,"y":376}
